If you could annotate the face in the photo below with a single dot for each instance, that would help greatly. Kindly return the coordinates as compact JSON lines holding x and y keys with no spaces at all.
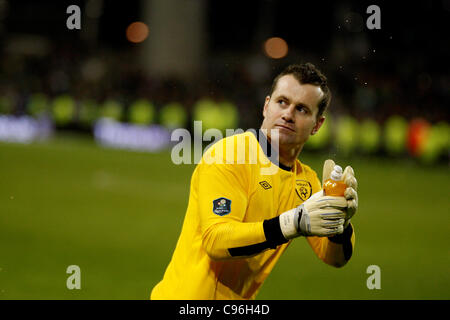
{"x":293,"y":109}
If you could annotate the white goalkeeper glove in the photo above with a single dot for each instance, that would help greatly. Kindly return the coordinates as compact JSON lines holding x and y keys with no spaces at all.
{"x":318,"y":216}
{"x":350,"y":194}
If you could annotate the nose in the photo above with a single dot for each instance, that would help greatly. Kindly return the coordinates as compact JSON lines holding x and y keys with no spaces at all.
{"x":288,"y":114}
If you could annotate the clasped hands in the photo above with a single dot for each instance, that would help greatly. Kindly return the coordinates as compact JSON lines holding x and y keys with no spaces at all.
{"x":323,"y":215}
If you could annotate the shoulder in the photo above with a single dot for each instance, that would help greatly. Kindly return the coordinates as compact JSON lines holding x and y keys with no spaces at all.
{"x":311,"y":176}
{"x":234,"y":149}
{"x":225,"y":160}
{"x":307,"y":169}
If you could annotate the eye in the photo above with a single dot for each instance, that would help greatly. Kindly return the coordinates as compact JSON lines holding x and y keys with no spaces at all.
{"x":302,"y":109}
{"x":281,"y":102}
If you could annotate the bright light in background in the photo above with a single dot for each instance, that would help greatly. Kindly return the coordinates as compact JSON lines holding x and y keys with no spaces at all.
{"x":137,"y":32}
{"x":275,"y":48}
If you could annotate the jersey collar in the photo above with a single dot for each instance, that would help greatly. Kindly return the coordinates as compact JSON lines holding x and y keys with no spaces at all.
{"x":270,"y":152}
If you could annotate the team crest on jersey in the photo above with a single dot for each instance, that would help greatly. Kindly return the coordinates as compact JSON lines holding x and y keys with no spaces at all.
{"x":222,"y":206}
{"x":303,"y":189}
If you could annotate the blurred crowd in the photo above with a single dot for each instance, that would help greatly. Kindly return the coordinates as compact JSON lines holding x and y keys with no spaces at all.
{"x":372,"y":87}
{"x":78,"y":87}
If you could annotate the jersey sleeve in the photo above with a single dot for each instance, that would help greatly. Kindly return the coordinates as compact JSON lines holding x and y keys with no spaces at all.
{"x":222,"y":202}
{"x":337,"y":250}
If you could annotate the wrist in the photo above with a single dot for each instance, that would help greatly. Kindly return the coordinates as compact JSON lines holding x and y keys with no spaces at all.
{"x":272,"y":232}
{"x":344,"y":236}
{"x":289,"y":223}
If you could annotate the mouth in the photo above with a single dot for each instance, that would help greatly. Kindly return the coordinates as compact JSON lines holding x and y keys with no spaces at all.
{"x":284,"y":127}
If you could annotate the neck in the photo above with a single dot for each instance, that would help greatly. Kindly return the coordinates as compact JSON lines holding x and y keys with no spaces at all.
{"x":289,"y":155}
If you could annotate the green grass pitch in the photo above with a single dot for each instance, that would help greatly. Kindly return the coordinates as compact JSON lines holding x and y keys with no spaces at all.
{"x":117,"y":215}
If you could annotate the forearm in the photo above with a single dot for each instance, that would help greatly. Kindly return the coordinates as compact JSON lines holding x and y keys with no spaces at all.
{"x":335,"y":251}
{"x":228,"y":240}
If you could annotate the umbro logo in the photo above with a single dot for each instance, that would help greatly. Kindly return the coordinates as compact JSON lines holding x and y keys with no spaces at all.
{"x":265,"y":185}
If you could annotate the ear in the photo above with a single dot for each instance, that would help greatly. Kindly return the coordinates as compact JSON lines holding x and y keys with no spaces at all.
{"x":318,"y":124}
{"x":266,"y":105}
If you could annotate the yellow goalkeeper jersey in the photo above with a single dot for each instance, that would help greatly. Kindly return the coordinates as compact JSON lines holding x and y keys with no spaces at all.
{"x":231,"y":237}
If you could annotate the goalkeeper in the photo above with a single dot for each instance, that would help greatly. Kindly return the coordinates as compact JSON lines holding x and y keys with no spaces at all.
{"x":240,"y":220}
